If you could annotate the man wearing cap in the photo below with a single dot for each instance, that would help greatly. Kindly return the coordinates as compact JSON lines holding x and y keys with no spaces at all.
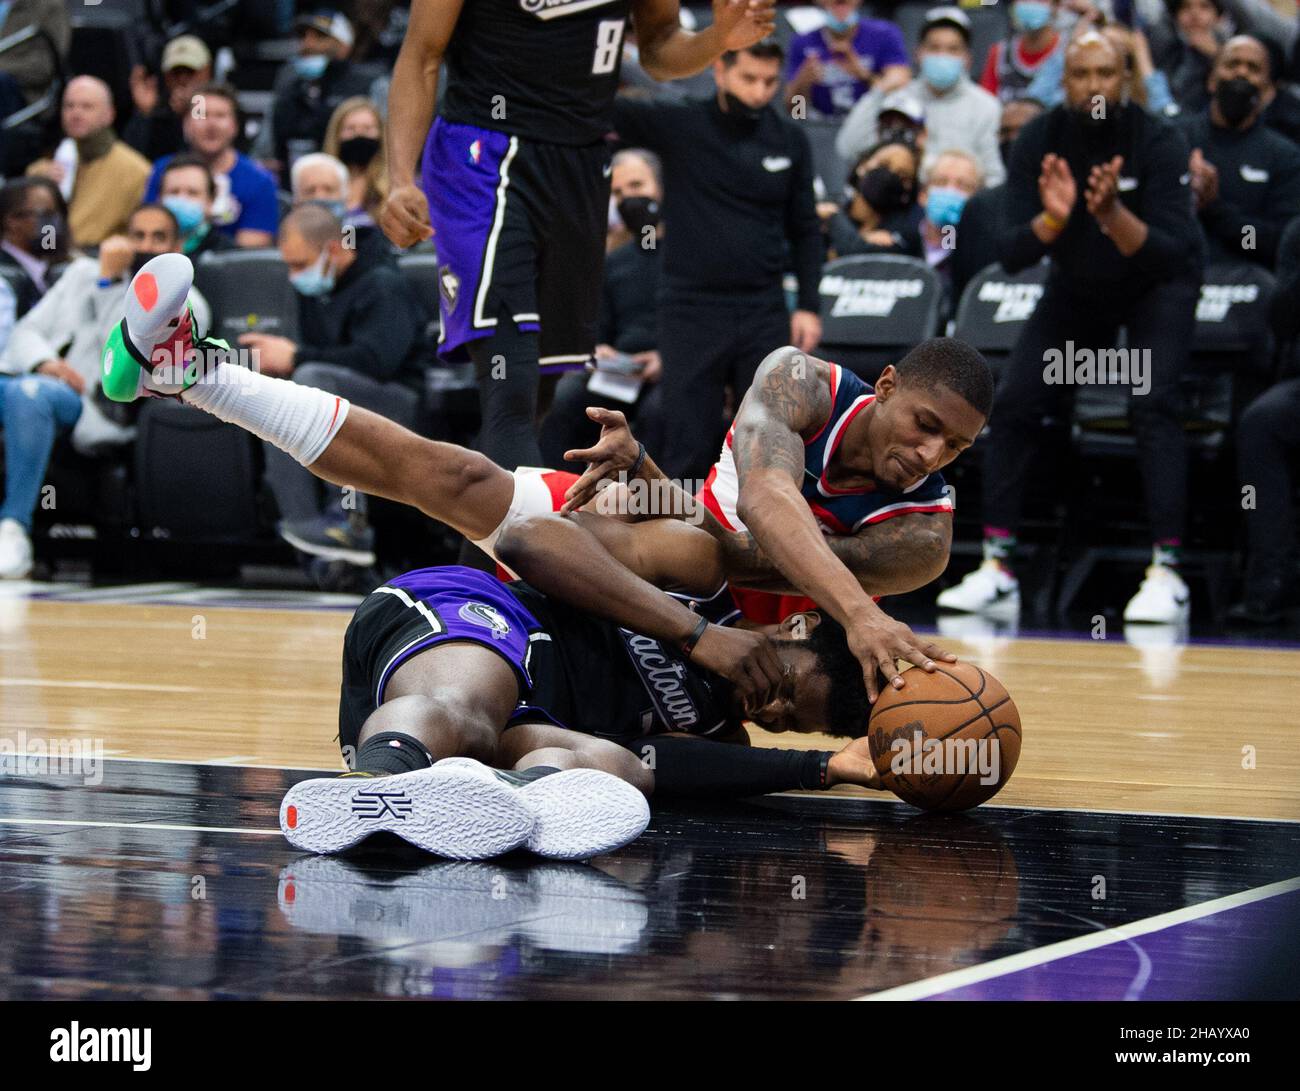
{"x":958,"y":113}
{"x":156,"y":129}
{"x":309,"y":88}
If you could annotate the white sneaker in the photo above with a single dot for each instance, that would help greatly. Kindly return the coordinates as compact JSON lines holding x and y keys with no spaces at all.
{"x":15,"y":551}
{"x":989,"y":587}
{"x":449,"y":811}
{"x":1163,"y":598}
{"x":580,"y":812}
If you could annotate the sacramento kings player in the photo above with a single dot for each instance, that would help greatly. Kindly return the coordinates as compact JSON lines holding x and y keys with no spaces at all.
{"x":513,"y":180}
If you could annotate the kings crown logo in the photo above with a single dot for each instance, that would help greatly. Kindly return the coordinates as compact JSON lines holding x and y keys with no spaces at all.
{"x":480,"y":613}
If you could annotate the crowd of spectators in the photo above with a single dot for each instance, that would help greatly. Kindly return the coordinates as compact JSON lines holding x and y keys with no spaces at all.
{"x":956,"y":151}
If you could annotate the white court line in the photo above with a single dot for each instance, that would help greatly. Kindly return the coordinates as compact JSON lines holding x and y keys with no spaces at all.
{"x":135,"y":826}
{"x":974,"y":812}
{"x":50,"y":683}
{"x":971,"y":975}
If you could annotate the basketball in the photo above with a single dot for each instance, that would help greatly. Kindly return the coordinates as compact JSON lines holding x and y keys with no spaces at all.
{"x":946,"y":741}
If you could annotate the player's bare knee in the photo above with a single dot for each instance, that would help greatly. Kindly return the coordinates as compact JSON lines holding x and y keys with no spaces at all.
{"x":443,"y":724}
{"x":618,"y":760}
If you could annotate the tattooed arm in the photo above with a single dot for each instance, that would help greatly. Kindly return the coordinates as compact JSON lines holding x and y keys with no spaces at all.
{"x":888,"y":558}
{"x":789,"y":400}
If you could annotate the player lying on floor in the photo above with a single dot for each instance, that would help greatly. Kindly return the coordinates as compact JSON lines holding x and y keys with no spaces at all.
{"x":449,"y":687}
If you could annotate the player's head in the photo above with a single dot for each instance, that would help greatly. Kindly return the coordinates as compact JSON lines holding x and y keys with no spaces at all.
{"x":748,"y":80}
{"x":824,"y":690}
{"x":929,"y":408}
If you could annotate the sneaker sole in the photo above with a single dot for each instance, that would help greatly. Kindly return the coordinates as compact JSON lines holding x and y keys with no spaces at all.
{"x":448,"y":812}
{"x":360,"y":558}
{"x":582,"y":813}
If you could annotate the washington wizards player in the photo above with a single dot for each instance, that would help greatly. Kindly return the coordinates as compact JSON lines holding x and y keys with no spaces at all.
{"x":832,"y":489}
{"x":514,"y":174}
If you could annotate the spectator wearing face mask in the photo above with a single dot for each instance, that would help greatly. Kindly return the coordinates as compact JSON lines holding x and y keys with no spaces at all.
{"x":33,"y":238}
{"x":1245,"y":176}
{"x":362,"y":339}
{"x":1012,"y":64}
{"x":319,"y":178}
{"x":101,"y":178}
{"x":958,"y":112}
{"x":879,"y":214}
{"x":187,"y":191}
{"x":946,"y":188}
{"x":51,"y":371}
{"x":355,"y":136}
{"x":835,"y":65}
{"x":627,"y":355}
{"x":982,"y":224}
{"x":310,"y":89}
{"x":246,"y":208}
{"x":157,"y":127}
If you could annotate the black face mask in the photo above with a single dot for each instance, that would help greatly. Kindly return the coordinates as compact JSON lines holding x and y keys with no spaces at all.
{"x":638,"y":213}
{"x":1004,"y":151}
{"x":140,"y":260}
{"x":358,"y":151}
{"x":1236,"y":98}
{"x":741,"y":114}
{"x":884,"y":190}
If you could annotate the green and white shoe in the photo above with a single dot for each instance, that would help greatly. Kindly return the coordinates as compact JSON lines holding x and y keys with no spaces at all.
{"x":151,"y":352}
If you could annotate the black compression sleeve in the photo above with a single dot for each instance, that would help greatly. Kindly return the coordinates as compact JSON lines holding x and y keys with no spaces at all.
{"x":705,"y":769}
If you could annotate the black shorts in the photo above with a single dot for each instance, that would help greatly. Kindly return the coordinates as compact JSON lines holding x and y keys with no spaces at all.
{"x":416,"y":611}
{"x":521,"y":225}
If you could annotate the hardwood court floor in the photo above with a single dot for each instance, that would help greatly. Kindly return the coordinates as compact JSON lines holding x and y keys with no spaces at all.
{"x":1202,"y":730}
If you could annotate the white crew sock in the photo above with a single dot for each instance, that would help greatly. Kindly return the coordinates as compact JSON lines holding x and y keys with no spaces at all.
{"x":300,"y":420}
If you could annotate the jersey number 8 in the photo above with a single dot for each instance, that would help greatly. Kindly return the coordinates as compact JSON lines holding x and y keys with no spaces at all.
{"x":609,"y":42}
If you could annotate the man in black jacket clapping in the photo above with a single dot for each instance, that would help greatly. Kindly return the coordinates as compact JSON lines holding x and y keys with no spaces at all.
{"x":1101,"y":187}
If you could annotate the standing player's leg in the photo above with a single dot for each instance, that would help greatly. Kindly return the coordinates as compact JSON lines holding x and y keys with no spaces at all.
{"x":691,"y":391}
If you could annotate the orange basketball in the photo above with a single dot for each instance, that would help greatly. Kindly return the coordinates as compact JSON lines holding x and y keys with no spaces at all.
{"x":946,"y":741}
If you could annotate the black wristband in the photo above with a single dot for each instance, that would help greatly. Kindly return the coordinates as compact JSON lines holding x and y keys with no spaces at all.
{"x":688,"y":645}
{"x":640,"y":461}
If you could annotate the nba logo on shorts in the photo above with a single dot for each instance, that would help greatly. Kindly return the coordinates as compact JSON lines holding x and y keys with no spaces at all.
{"x":475,"y":151}
{"x":480,"y":613}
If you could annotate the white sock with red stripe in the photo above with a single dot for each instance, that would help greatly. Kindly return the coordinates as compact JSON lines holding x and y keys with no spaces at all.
{"x":300,"y":420}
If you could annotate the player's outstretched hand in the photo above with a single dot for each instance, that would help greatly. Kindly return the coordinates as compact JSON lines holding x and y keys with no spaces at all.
{"x":405,"y":217}
{"x":746,"y":658}
{"x":878,"y":641}
{"x":744,"y":22}
{"x":853,"y":765}
{"x":615,"y":452}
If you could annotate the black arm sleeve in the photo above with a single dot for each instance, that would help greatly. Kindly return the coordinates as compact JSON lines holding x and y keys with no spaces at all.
{"x":1019,"y":247}
{"x":702,"y":768}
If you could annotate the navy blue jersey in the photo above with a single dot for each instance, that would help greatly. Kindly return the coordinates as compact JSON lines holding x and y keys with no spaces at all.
{"x":544,"y":70}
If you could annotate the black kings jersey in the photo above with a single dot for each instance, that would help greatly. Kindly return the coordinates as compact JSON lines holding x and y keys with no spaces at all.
{"x":592,"y":676}
{"x":543,"y":70}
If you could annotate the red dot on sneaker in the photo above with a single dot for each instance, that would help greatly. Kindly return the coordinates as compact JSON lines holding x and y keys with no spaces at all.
{"x":146,"y":290}
{"x":290,"y":892}
{"x":291,"y":818}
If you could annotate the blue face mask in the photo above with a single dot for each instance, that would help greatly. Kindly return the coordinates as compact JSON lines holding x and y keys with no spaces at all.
{"x":943,"y":206}
{"x":840,"y":26}
{"x":314,"y":280}
{"x":1031,"y":15}
{"x":311,"y":67}
{"x":189,"y":213}
{"x":941,"y":70}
